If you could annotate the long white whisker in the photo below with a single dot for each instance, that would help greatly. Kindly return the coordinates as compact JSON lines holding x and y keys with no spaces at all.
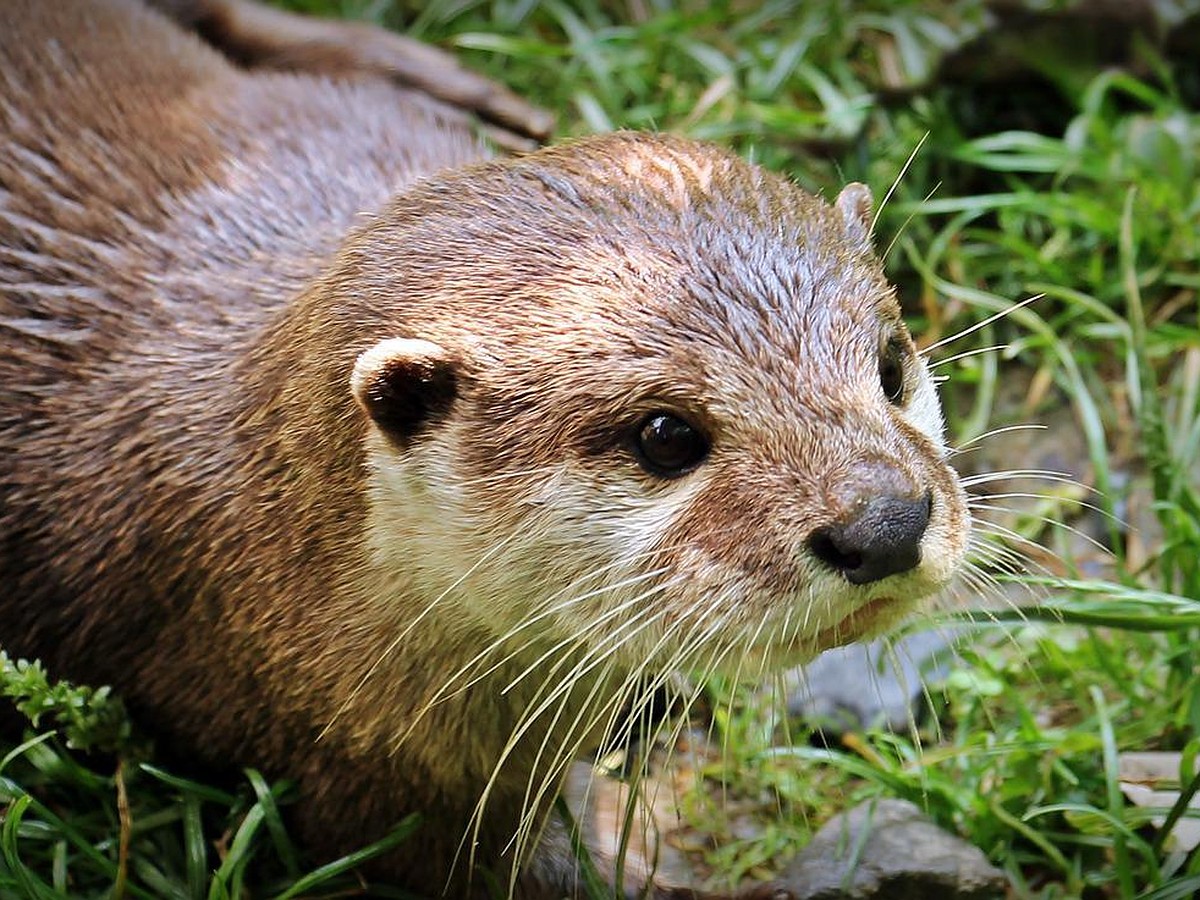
{"x":594,"y":656}
{"x":448,"y":690}
{"x":1024,"y":560}
{"x":1046,"y":520}
{"x":615,"y":612}
{"x":396,"y":641}
{"x":1030,"y":495}
{"x":966,"y":354}
{"x":569,"y":749}
{"x":904,"y":225}
{"x":978,"y":325}
{"x":972,"y":444}
{"x":1043,"y":474}
{"x":896,"y":182}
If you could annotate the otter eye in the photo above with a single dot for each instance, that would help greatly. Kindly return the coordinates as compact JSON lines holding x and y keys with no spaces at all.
{"x":667,"y":446}
{"x":891,"y":372}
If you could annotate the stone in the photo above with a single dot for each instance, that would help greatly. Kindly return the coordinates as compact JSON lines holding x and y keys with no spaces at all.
{"x":875,"y":685}
{"x":888,"y":849}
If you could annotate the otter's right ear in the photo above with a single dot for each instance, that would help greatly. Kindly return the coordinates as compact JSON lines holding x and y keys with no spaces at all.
{"x":856,"y":205}
{"x":403,"y":383}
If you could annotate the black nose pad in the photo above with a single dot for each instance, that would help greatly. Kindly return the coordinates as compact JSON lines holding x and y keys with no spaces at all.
{"x":883,"y":540}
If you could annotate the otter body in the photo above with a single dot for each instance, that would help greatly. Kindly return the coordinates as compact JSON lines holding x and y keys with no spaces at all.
{"x":343,"y":451}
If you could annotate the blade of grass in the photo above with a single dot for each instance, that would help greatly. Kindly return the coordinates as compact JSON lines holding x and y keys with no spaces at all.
{"x":319,"y":876}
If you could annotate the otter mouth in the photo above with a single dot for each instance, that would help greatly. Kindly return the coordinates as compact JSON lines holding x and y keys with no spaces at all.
{"x":855,"y":625}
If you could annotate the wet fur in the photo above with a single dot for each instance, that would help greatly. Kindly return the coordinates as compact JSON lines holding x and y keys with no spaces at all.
{"x":195,"y":507}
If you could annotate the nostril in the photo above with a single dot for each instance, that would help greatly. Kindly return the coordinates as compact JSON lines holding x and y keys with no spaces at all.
{"x":884,"y":539}
{"x":824,"y":544}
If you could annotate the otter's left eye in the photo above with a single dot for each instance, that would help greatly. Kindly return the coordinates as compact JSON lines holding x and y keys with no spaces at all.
{"x":891,"y":372}
{"x":668,"y":446}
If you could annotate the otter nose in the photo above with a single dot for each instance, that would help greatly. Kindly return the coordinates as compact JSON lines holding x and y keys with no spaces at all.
{"x":883,"y":540}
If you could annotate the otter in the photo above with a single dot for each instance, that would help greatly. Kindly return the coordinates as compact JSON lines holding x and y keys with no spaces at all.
{"x":344,"y":448}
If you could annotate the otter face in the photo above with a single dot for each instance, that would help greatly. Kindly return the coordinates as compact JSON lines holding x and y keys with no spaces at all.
{"x":673,"y":412}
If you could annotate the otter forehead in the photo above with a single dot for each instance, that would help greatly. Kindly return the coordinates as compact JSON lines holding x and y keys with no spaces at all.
{"x":577,"y":215}
{"x":651,"y":248}
{"x":724,"y":346}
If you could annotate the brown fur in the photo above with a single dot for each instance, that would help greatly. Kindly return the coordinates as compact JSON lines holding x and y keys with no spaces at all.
{"x":195,"y":508}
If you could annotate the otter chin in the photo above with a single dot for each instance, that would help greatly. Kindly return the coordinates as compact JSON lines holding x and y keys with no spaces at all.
{"x":347,"y":451}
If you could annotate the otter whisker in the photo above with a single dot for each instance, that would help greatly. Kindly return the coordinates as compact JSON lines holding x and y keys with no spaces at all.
{"x":720,"y":650}
{"x":973,"y":443}
{"x":986,"y":586}
{"x":615,"y":612}
{"x":592,"y":656}
{"x":594,"y":713}
{"x":995,"y":553}
{"x":566,"y":749}
{"x":987,"y":528}
{"x":1006,"y":474}
{"x":634,"y":693}
{"x":1006,"y":536}
{"x":688,"y":644}
{"x":1003,"y":531}
{"x":925,"y":351}
{"x":597,"y":652}
{"x":661,"y":675}
{"x":897,"y":657}
{"x":578,"y":641}
{"x":973,"y":502}
{"x":408,"y":629}
{"x":548,"y":608}
{"x":895,"y":184}
{"x":661,"y":678}
{"x":1054,"y":523}
{"x":908,"y":220}
{"x":533,"y":474}
{"x":569,"y":748}
{"x":998,"y":555}
{"x":993,"y":557}
{"x":966,"y":354}
{"x":749,"y":641}
{"x":543,"y":610}
{"x":448,"y":688}
{"x":981,"y":586}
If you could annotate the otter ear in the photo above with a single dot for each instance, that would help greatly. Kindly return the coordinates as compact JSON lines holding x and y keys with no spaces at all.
{"x":856,"y":205}
{"x":403,"y":383}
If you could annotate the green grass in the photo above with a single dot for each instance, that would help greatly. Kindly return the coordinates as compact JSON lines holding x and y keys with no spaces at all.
{"x":87,"y":814}
{"x":1081,"y":188}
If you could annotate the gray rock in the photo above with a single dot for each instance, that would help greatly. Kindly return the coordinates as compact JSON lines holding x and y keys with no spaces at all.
{"x":875,"y":685}
{"x":889,"y":850}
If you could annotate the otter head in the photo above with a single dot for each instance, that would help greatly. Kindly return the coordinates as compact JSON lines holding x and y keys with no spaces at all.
{"x":637,"y":392}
